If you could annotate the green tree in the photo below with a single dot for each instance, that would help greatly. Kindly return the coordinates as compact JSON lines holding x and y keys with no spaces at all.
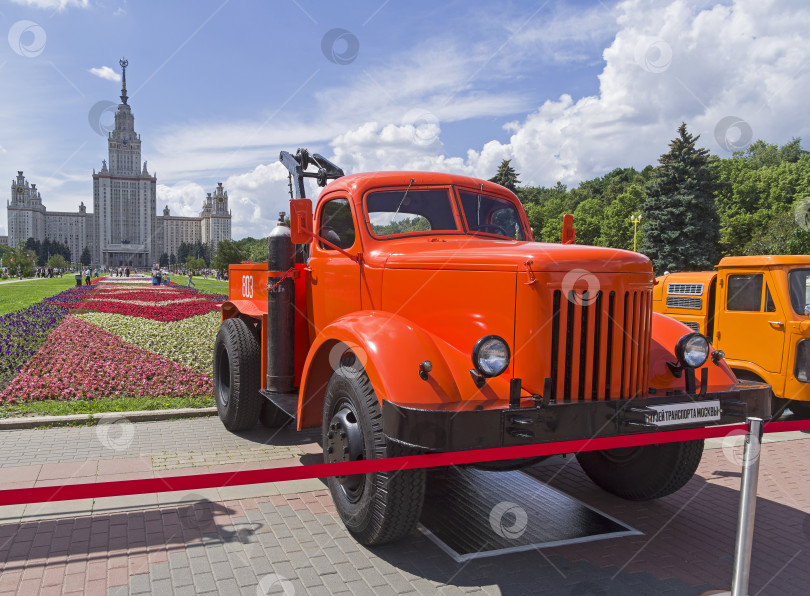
{"x":85,"y":258}
{"x":782,"y":236}
{"x":183,"y":252}
{"x":57,"y":262}
{"x":254,"y":249}
{"x":617,"y":229}
{"x":172,"y":259}
{"x":195,"y":264}
{"x":588,"y":218}
{"x":163,"y":261}
{"x":680,"y":221}
{"x":506,"y":176}
{"x":228,"y":253}
{"x":20,"y":261}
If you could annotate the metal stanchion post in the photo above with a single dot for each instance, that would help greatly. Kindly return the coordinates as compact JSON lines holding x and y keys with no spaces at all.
{"x":748,"y":502}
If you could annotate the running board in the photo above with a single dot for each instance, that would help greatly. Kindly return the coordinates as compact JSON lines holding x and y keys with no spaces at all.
{"x":286,"y":402}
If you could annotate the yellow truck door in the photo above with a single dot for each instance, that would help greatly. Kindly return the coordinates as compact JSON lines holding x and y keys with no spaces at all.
{"x":750,"y":324}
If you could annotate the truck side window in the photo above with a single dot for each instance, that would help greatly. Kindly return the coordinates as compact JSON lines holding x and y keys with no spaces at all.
{"x":769,"y":305}
{"x":337,"y":225}
{"x":744,"y":292}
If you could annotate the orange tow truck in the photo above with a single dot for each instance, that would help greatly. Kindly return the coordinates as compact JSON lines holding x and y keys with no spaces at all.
{"x":412,"y":312}
{"x":756,"y":310}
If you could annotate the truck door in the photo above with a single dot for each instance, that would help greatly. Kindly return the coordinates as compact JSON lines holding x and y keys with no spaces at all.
{"x":334,"y":278}
{"x":750,"y":323}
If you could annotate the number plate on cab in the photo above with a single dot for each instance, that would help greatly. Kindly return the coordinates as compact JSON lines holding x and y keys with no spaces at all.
{"x":685,"y":413}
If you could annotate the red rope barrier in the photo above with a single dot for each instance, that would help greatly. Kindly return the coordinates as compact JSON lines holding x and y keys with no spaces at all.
{"x":119,"y":488}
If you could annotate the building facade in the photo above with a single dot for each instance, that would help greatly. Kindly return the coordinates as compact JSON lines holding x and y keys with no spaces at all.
{"x":124,"y":228}
{"x":29,"y":218}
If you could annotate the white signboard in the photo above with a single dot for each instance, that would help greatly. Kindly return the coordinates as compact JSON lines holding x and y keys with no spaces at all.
{"x":685,"y":413}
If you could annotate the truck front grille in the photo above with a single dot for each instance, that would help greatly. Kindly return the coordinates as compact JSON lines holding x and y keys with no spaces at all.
{"x":600,"y":344}
{"x":683,"y":302}
{"x":689,"y":289}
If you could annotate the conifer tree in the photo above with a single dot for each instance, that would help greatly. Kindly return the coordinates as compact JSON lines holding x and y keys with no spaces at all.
{"x":506,"y":176}
{"x":680,"y":223}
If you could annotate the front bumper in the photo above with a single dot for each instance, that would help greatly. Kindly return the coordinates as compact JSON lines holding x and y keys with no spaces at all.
{"x":457,"y":429}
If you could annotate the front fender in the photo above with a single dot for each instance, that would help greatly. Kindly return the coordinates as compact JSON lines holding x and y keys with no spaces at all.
{"x":233,"y":308}
{"x":390,"y":349}
{"x":666,"y":332}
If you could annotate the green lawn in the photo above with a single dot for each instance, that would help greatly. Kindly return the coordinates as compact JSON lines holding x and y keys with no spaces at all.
{"x":63,"y":408}
{"x":210,"y":285}
{"x":17,"y":295}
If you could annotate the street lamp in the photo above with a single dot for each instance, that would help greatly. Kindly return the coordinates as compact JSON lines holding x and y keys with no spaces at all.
{"x":635,"y":219}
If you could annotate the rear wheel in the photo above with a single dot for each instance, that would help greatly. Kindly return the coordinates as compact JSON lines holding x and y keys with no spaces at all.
{"x":236,"y":375}
{"x":643,"y":473}
{"x":379,"y":507}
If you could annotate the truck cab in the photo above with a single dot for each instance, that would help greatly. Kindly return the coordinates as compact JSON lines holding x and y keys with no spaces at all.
{"x":753,"y":308}
{"x":413,"y":312}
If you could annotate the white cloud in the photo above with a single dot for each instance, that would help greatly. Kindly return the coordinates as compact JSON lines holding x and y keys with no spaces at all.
{"x":58,"y":5}
{"x":184,"y":199}
{"x":255,"y":199}
{"x":105,"y":72}
{"x":668,"y":63}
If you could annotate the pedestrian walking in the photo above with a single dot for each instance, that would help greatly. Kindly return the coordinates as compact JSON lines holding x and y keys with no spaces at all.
{"x":190,"y":281}
{"x":87,"y":276}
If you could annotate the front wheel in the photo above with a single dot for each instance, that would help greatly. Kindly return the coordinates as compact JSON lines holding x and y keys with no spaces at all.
{"x":236,"y":375}
{"x":643,"y":473}
{"x":379,"y":507}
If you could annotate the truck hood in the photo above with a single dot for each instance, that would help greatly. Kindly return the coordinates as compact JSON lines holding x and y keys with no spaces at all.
{"x":474,"y":254}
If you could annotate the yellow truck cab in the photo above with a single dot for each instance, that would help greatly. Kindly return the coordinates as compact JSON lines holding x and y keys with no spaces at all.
{"x":754,"y":310}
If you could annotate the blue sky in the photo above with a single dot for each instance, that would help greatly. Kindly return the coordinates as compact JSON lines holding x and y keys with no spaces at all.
{"x":567,"y":90}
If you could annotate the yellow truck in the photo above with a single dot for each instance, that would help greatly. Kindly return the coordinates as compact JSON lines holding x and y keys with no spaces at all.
{"x":756,"y":310}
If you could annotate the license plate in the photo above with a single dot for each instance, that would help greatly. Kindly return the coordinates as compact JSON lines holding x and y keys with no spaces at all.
{"x":685,"y":413}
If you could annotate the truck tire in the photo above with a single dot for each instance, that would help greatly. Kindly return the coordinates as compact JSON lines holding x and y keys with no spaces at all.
{"x":379,"y":507}
{"x":643,"y":473}
{"x":236,"y":375}
{"x":800,"y":409}
{"x":271,"y":415}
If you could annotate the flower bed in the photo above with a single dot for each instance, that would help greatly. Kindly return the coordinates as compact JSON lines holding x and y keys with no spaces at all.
{"x":188,"y":341}
{"x":124,"y":339}
{"x":80,"y":360}
{"x":158,"y":303}
{"x":22,"y":333}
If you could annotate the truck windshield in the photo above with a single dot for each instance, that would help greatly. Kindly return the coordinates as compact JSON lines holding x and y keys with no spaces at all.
{"x":487,"y":214}
{"x":799,"y":285}
{"x":405,"y":211}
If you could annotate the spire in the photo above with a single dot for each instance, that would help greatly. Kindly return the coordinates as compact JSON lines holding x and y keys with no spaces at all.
{"x":124,"y":63}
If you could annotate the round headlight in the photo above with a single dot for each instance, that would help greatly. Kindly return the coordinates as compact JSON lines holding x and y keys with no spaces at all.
{"x":692,"y":350}
{"x":490,"y":355}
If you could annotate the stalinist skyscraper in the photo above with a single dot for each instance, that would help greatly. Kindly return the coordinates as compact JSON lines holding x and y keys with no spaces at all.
{"x":124,"y":227}
{"x":124,"y":196}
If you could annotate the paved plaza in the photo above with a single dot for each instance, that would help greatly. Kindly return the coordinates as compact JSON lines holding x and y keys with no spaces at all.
{"x":285,"y":538}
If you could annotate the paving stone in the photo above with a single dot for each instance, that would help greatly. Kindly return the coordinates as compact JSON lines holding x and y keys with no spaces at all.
{"x":204,"y":582}
{"x":162,"y":587}
{"x":159,"y":570}
{"x":139,"y":584}
{"x":245,"y":576}
{"x":222,"y":571}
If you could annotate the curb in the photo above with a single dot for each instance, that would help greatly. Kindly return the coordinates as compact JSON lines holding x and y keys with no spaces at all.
{"x":137,"y":416}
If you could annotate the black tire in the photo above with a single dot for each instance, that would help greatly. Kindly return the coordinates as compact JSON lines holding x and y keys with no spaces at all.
{"x":778,"y":406}
{"x":380,"y":507}
{"x":800,"y":409}
{"x":643,"y":473}
{"x":236,"y":375}
{"x":271,"y":415}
